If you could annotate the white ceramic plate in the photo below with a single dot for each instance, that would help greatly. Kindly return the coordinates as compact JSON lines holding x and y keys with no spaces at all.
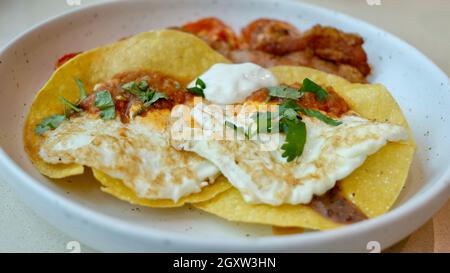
{"x":77,"y":206}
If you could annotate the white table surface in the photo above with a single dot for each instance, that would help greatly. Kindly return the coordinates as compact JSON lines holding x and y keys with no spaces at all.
{"x":422,"y":23}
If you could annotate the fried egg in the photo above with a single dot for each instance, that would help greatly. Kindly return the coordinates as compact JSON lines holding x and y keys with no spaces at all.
{"x":262,"y":174}
{"x":138,"y":153}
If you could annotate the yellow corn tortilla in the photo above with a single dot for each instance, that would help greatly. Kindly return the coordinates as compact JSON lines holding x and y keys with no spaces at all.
{"x":373,"y":187}
{"x":116,"y":188}
{"x":173,"y":53}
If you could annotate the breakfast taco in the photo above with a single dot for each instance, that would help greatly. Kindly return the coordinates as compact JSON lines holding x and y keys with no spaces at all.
{"x":341,"y":160}
{"x":164,"y":120}
{"x":108,"y":108}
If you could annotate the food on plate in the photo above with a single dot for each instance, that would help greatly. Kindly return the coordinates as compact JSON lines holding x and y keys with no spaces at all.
{"x":366,"y":192}
{"x":97,"y":111}
{"x":164,"y":119}
{"x":270,"y":42}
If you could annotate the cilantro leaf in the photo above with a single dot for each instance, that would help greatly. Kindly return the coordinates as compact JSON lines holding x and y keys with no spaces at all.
{"x":295,"y":138}
{"x":154,"y":98}
{"x":145,"y":94}
{"x":284,"y":92}
{"x":70,"y":105}
{"x":103,"y":100}
{"x":108,"y":113}
{"x":290,"y":114}
{"x":83,"y":93}
{"x":143,"y":85}
{"x":52,"y":122}
{"x":317,"y":114}
{"x":49,"y":123}
{"x":200,"y":83}
{"x":288,"y":107}
{"x":133,"y":88}
{"x":295,"y":129}
{"x":310,"y":86}
{"x":105,"y":103}
{"x":198,"y":89}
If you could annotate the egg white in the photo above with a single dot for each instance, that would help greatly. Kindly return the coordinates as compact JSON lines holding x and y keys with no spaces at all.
{"x":138,"y":153}
{"x":263,"y":176}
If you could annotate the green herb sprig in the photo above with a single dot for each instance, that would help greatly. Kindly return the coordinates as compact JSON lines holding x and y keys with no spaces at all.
{"x":286,"y":92}
{"x":290,"y":121}
{"x":105,"y":103}
{"x":312,"y":87}
{"x":53,"y":121}
{"x":145,"y":94}
{"x":49,"y":123}
{"x":198,"y":89}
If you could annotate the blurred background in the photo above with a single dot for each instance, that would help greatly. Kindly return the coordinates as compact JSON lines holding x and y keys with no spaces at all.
{"x":422,"y":23}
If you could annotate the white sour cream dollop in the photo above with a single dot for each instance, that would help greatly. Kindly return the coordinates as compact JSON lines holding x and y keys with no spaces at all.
{"x":232,"y":83}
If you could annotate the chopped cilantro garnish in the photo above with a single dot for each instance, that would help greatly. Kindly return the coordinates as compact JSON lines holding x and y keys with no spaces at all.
{"x":295,"y":138}
{"x":154,"y":98}
{"x":295,"y":129}
{"x":143,"y":85}
{"x":70,"y":105}
{"x":108,"y":113}
{"x":317,"y":114}
{"x":288,"y":107}
{"x":133,"y":88}
{"x":310,"y":86}
{"x":200,"y":83}
{"x":284,"y":92}
{"x":83,"y":93}
{"x":54,"y":121}
{"x":290,"y":114}
{"x":199,"y":88}
{"x":197,"y":91}
{"x":49,"y":123}
{"x":103,"y":100}
{"x":287,"y":92}
{"x":105,"y":103}
{"x":145,"y":94}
